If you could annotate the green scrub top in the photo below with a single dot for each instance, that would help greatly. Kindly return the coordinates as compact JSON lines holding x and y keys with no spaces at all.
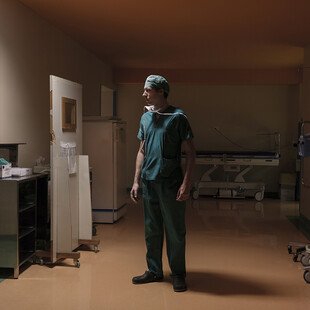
{"x":163,"y":134}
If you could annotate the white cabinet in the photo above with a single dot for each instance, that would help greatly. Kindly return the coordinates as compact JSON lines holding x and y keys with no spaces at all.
{"x":104,"y":141}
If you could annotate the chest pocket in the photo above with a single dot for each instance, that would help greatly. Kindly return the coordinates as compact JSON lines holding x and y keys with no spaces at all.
{"x":172,"y":142}
{"x":171,"y":150}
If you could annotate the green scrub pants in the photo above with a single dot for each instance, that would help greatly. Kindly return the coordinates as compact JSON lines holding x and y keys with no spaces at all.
{"x":163,"y":213}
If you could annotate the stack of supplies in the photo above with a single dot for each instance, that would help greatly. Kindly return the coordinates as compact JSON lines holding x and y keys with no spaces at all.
{"x":5,"y":168}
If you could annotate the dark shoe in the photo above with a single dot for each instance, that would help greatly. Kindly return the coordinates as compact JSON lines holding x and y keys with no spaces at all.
{"x":179,"y":284}
{"x":147,"y":277}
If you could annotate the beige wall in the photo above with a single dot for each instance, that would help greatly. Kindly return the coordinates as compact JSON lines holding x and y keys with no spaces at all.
{"x":30,"y":50}
{"x":239,"y":112}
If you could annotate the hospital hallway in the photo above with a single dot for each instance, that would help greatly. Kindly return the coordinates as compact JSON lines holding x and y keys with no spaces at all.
{"x":236,"y":259}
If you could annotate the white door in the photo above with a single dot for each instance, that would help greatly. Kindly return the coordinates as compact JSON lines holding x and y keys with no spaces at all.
{"x":66,"y":144}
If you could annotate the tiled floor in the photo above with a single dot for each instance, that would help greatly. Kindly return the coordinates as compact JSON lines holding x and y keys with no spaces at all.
{"x":236,"y":259}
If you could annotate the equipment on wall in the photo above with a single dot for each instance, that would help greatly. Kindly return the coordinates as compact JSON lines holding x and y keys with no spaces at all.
{"x":301,"y":251}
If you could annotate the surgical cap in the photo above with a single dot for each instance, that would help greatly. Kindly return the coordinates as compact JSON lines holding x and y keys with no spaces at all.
{"x":157,"y":82}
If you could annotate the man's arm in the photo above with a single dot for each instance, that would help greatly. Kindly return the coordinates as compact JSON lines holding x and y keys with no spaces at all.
{"x":136,"y":181}
{"x":189,"y":150}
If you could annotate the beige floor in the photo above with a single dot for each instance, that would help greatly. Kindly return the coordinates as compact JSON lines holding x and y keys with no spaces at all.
{"x":236,"y":257}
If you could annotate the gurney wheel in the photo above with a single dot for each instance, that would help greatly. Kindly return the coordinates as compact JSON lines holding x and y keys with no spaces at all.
{"x":305,"y":260}
{"x":77,"y":263}
{"x":94,"y":231}
{"x":40,"y":261}
{"x":195,"y":195}
{"x":289,"y":249}
{"x":307,"y":276}
{"x":295,"y":258}
{"x":259,"y":196}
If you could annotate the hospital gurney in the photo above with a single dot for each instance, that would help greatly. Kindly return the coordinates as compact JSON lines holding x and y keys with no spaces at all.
{"x":233,"y":161}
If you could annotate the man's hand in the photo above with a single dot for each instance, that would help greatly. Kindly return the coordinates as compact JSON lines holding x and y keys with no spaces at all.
{"x":183,"y":192}
{"x":134,"y":192}
{"x":189,"y":150}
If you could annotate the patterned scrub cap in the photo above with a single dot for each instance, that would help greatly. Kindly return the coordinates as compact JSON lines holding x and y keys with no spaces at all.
{"x":158,"y":82}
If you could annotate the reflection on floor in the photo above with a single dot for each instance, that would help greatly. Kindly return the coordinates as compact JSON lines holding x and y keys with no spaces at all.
{"x":236,"y":259}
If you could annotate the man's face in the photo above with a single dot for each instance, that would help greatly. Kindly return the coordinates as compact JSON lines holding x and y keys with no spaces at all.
{"x":152,"y":96}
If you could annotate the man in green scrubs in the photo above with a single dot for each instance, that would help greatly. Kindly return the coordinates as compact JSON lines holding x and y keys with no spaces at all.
{"x":164,"y":133}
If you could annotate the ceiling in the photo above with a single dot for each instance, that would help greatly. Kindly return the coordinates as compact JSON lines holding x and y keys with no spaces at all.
{"x":176,"y":34}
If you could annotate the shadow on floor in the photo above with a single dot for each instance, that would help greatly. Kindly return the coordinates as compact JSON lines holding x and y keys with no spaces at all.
{"x":226,"y":284}
{"x":8,"y":273}
{"x":5,"y":273}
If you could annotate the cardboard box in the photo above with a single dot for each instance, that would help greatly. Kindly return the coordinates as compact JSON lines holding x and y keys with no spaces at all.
{"x":5,"y":171}
{"x":20,"y":172}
